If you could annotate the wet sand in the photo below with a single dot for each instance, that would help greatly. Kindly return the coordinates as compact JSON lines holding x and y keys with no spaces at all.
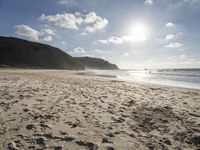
{"x":49,"y":109}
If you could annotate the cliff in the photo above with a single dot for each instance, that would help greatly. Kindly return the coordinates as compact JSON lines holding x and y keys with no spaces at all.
{"x":20,"y":53}
{"x":96,"y":63}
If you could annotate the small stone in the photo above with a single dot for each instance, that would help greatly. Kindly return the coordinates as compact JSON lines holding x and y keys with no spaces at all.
{"x":25,"y":110}
{"x":32,"y":147}
{"x":45,"y":125}
{"x":74,"y":125}
{"x":40,"y":141}
{"x":109,"y":148}
{"x":177,"y":148}
{"x":132,"y":135}
{"x":29,"y":126}
{"x":131,"y":102}
{"x":17,"y":141}
{"x":89,"y":145}
{"x":105,"y":140}
{"x":195,"y":140}
{"x":48,"y":135}
{"x":116,"y":132}
{"x":110,"y":135}
{"x":150,"y":146}
{"x":63,"y":133}
{"x":67,"y":139}
{"x":48,"y":116}
{"x":168,"y":142}
{"x":58,"y":148}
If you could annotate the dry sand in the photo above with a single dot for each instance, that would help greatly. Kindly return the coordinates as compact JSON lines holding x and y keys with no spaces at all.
{"x":48,"y":109}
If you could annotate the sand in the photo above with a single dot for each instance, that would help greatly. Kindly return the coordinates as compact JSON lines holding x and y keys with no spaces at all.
{"x":50,"y":109}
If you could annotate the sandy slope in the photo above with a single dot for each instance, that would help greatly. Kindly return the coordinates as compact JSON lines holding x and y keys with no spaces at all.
{"x":43,"y":109}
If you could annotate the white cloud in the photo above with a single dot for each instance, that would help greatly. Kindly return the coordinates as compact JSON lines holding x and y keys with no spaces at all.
{"x":149,"y":2}
{"x":68,"y":2}
{"x":192,"y":1}
{"x":74,"y":21}
{"x":91,"y":17}
{"x":83,"y":33}
{"x":126,"y":54}
{"x":170,"y":24}
{"x":99,"y":24}
{"x":27,"y":31}
{"x":170,"y":37}
{"x":112,"y":40}
{"x":49,"y":31}
{"x":33,"y":34}
{"x":79,"y":50}
{"x":98,"y":51}
{"x":174,"y":45}
{"x":65,"y":20}
{"x":88,"y":55}
{"x":177,"y":58}
{"x":47,"y":38}
{"x":183,"y":56}
{"x":121,"y":40}
{"x":138,"y":38}
{"x":63,"y":1}
{"x":63,"y":42}
{"x":78,"y":13}
{"x":79,"y":20}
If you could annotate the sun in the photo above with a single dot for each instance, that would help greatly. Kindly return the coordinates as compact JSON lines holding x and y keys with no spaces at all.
{"x":138,"y":32}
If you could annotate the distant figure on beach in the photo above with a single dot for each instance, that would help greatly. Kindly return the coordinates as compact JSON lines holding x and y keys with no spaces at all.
{"x":150,"y":71}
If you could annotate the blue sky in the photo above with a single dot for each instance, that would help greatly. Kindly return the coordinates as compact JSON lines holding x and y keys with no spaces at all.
{"x":130,"y":33}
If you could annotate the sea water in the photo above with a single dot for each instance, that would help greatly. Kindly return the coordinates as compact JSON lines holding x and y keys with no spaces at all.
{"x":188,"y":78}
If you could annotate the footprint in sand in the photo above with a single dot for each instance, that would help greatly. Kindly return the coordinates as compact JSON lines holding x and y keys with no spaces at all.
{"x":89,"y":145}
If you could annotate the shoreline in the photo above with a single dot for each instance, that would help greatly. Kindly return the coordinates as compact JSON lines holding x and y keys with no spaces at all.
{"x":60,"y":109}
{"x":170,"y":83}
{"x":91,"y":73}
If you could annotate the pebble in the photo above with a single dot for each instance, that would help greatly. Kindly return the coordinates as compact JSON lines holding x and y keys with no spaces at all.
{"x":58,"y":148}
{"x":109,"y":148}
{"x":40,"y":141}
{"x":29,"y":126}
{"x":105,"y":140}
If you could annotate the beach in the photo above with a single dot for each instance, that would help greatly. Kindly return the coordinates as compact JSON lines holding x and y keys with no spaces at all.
{"x":57,"y":109}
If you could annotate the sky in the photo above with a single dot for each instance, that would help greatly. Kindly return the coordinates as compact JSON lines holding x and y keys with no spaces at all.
{"x":130,"y":33}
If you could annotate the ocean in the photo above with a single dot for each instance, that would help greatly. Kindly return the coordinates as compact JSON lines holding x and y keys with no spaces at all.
{"x":187,"y":78}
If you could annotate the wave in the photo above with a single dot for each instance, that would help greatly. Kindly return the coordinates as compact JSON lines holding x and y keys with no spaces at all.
{"x":175,"y":77}
{"x":169,"y":72}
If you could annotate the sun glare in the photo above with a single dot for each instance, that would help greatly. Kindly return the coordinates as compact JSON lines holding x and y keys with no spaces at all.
{"x":138,"y":32}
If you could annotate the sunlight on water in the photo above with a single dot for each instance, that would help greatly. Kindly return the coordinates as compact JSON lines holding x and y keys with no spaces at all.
{"x":188,"y":78}
{"x":140,"y":74}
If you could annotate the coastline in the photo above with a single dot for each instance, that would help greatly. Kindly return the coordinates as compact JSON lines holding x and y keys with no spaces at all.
{"x":56,"y":108}
{"x":144,"y":77}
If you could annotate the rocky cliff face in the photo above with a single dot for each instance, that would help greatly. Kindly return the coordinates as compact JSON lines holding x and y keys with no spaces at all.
{"x":96,"y":63}
{"x":20,"y":53}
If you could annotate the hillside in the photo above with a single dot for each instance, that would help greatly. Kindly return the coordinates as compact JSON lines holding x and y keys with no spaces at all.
{"x":96,"y":63}
{"x":20,"y":53}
